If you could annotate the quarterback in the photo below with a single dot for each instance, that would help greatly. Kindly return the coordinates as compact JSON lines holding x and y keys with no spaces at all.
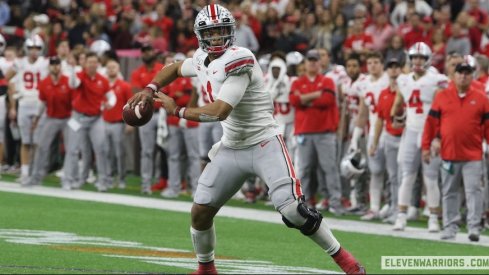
{"x":251,"y":144}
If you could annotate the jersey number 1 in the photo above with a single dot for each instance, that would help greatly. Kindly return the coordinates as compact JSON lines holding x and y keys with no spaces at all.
{"x":415,"y":101}
{"x":208,"y":90}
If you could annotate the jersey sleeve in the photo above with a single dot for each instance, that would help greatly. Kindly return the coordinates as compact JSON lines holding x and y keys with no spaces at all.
{"x":442,"y":81}
{"x":241,"y":61}
{"x":188,"y":69}
{"x":233,"y":89}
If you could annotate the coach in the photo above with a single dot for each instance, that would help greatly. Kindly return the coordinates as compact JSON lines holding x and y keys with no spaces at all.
{"x":316,"y":120}
{"x":460,"y":114}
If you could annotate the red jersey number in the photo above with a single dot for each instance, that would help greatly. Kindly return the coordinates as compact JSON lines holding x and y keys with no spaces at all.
{"x":208,"y":91}
{"x":31,"y":80}
{"x":373,"y":104}
{"x":281,"y":108}
{"x":415,"y":101}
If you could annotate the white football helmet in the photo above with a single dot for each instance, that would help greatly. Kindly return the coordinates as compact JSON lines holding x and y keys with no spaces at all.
{"x":34,"y":41}
{"x":421,"y":49}
{"x":264,"y":61}
{"x":353,"y":165}
{"x":215,"y":16}
{"x":100,"y":47}
{"x":294,"y":58}
{"x":3,"y":44}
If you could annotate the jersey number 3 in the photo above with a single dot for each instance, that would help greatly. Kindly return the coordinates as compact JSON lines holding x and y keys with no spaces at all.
{"x":415,"y":101}
{"x":31,"y":80}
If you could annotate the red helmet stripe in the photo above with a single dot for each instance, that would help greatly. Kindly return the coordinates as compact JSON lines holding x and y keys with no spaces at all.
{"x":213,"y":11}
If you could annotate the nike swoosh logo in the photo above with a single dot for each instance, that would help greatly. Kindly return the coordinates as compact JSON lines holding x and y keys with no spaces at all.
{"x":214,"y":72}
{"x":263,"y":144}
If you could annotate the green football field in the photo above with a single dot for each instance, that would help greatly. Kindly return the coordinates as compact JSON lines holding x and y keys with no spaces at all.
{"x":53,"y":235}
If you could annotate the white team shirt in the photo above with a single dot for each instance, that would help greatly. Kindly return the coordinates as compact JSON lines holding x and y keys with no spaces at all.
{"x":351,"y":93}
{"x":251,"y":120}
{"x":369,"y":89}
{"x":418,"y":96}
{"x":27,"y":77}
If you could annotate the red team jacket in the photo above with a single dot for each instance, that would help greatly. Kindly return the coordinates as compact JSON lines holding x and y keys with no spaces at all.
{"x":322,"y":115}
{"x":90,"y":94}
{"x":461,"y":122}
{"x":142,"y":77}
{"x":56,"y":96}
{"x":122,"y":91}
{"x":384,"y":106}
{"x":183,"y":87}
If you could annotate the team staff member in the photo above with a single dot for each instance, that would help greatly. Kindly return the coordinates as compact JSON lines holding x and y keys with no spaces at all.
{"x":316,"y":121}
{"x":392,"y":136}
{"x":55,"y":95}
{"x":460,"y":116}
{"x":114,"y":125}
{"x":147,"y":133}
{"x":182,"y":134}
{"x":86,"y":124}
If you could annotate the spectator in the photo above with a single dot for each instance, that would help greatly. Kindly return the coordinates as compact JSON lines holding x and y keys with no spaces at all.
{"x":314,"y":98}
{"x":324,"y":32}
{"x":458,"y":42}
{"x":4,"y":13}
{"x":442,"y":19}
{"x":244,"y":35}
{"x":253,"y":22}
{"x":439,"y":51}
{"x":396,"y":49}
{"x":358,"y":41}
{"x":338,"y":36}
{"x":380,"y":31}
{"x":163,"y":22}
{"x":479,"y":23}
{"x":309,"y":28}
{"x":290,"y":40}
{"x":398,"y":15}
{"x":418,"y":32}
{"x":463,"y":127}
{"x":482,"y":69}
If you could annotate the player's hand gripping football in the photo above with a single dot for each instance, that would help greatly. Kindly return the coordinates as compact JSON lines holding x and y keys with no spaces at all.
{"x":145,"y":96}
{"x":168,"y":102}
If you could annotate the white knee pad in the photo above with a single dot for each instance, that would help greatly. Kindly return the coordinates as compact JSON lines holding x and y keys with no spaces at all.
{"x":406,"y":189}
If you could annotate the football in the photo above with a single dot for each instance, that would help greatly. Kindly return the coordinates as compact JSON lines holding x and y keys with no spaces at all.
{"x":138,"y":116}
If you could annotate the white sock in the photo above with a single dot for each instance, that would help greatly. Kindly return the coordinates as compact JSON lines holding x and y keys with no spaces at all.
{"x":325,"y":239}
{"x":24,"y":170}
{"x":204,"y":243}
{"x":406,"y":189}
{"x":376,"y":183}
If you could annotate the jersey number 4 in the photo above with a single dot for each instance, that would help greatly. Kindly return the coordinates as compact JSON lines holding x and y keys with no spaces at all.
{"x":415,"y":101}
{"x":31,"y":80}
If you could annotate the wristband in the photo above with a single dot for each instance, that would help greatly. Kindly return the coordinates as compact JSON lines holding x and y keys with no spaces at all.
{"x":181,"y":112}
{"x":153,"y":87}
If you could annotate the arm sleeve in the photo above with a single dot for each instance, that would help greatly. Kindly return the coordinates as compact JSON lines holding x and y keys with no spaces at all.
{"x":187,"y":68}
{"x":328,"y":96}
{"x":432,"y":124}
{"x":233,"y":89}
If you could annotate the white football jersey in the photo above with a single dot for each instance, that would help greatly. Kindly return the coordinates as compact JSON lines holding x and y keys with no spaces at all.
{"x":351,"y":91}
{"x":27,"y":77}
{"x":251,"y":120}
{"x":369,"y":89}
{"x":418,"y":96}
{"x":337,"y":74}
{"x":279,"y":90}
{"x":5,"y":65}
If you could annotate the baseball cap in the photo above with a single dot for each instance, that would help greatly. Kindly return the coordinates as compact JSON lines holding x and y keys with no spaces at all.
{"x":312,"y":54}
{"x":393,"y":61}
{"x":464,"y":67}
{"x":54,"y":60}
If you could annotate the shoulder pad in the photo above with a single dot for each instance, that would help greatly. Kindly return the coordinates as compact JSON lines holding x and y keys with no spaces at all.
{"x":238,"y":61}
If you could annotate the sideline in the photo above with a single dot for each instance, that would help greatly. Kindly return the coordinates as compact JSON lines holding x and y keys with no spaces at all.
{"x":234,"y":212}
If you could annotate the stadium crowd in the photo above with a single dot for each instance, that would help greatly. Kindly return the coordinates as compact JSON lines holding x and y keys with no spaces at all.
{"x":359,"y":88}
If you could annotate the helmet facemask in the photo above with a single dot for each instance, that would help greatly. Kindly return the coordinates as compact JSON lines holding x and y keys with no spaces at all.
{"x":216,"y":39}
